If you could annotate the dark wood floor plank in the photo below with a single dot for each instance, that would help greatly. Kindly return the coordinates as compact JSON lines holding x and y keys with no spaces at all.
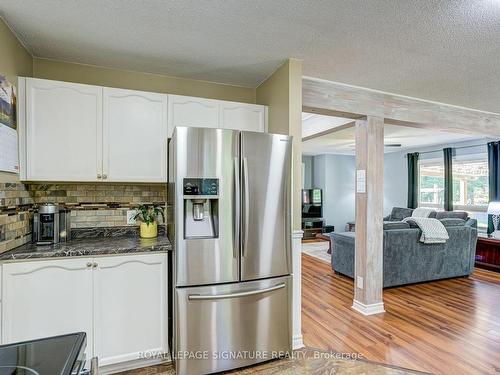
{"x":445,"y":327}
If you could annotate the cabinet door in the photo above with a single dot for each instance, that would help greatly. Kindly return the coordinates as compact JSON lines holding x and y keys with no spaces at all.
{"x":47,"y":298}
{"x":192,"y":112}
{"x":130,"y":299}
{"x":241,"y":116}
{"x":135,"y":136}
{"x":63,"y":131}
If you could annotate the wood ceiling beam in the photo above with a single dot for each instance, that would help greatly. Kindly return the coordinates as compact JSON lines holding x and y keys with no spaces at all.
{"x":334,"y":99}
{"x":330,"y":131}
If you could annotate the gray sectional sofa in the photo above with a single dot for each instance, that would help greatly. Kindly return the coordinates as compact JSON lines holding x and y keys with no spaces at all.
{"x":406,"y":259}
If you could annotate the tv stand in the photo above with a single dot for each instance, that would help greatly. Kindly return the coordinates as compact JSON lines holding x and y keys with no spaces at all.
{"x":312,"y":227}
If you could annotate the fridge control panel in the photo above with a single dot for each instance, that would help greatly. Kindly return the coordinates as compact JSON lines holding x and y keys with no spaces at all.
{"x":201,"y":186}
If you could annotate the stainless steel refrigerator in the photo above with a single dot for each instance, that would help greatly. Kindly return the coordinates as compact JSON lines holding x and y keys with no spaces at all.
{"x":229,"y":221}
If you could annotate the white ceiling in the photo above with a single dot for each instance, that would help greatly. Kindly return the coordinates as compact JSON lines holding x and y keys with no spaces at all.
{"x":441,"y":50}
{"x":343,"y":142}
{"x":314,"y":124}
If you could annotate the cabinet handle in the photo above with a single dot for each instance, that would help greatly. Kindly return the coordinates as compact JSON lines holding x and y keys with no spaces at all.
{"x":104,"y":176}
{"x":98,"y":176}
{"x":95,"y":265}
{"x":89,"y":264}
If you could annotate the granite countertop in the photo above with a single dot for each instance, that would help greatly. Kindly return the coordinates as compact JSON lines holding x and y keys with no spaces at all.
{"x":91,"y":242}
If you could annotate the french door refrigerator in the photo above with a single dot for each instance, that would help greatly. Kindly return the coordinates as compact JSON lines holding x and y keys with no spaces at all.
{"x":229,"y":221}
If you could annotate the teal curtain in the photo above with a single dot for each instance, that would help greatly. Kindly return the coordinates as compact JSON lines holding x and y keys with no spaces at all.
{"x":448,"y":179}
{"x":412,"y":160}
{"x":494,"y":176}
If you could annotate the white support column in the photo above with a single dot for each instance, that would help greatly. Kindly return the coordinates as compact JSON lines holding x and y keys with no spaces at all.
{"x":297,"y":288}
{"x":368,"y":279}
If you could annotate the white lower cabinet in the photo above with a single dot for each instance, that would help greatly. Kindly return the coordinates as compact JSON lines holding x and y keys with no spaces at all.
{"x":119,"y":301}
{"x":130,"y":307}
{"x":47,"y":298}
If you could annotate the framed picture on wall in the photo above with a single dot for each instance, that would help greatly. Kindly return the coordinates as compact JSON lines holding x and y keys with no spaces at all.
{"x":8,"y":102}
{"x":9,"y":160}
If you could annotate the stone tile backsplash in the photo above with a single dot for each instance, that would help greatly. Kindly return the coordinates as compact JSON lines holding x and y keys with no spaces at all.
{"x":95,"y":195}
{"x":92,"y":205}
{"x":15,"y":230}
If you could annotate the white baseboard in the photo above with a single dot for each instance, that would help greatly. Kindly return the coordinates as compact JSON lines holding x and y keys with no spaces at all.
{"x":130,"y":365}
{"x":297,"y":342}
{"x":374,"y":308}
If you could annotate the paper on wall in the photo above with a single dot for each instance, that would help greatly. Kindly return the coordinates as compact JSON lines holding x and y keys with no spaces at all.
{"x":9,"y":160}
{"x":360,"y":181}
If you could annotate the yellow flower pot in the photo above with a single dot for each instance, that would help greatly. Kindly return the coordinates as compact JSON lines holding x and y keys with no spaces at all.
{"x":149,"y":231}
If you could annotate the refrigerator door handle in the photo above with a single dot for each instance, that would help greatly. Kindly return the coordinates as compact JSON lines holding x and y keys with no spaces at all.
{"x":237,"y":203}
{"x":245,"y":206}
{"x":198,"y":297}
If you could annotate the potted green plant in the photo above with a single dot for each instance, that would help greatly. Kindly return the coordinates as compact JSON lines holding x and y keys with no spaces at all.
{"x":148,"y":216}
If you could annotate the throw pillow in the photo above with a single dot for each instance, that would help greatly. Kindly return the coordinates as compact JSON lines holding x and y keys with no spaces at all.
{"x":452,"y":222}
{"x":452,"y":215}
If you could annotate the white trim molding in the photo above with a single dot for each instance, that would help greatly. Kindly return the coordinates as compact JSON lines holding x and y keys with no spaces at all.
{"x":372,"y":309}
{"x":297,"y":342}
{"x":132,"y":365}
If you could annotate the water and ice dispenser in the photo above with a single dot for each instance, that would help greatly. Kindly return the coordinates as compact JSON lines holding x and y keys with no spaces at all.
{"x":201,"y":208}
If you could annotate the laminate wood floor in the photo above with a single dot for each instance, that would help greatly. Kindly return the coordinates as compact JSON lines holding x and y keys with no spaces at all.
{"x":448,"y":327}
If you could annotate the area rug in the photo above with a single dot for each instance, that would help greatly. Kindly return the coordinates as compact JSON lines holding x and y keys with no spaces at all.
{"x":317,"y":250}
{"x":303,"y":362}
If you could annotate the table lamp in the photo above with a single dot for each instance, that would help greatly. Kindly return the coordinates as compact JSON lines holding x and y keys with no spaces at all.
{"x":494,"y":211}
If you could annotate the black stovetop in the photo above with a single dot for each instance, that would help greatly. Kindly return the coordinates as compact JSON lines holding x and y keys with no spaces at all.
{"x":49,"y":356}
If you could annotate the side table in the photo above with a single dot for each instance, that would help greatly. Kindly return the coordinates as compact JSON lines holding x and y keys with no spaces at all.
{"x":488,"y":253}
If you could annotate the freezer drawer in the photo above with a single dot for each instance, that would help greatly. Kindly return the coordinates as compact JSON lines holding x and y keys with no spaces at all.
{"x":234,"y":325}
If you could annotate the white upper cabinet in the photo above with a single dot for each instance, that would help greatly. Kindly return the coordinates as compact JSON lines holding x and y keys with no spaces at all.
{"x":63,"y":131}
{"x":241,"y":116}
{"x":47,"y":298}
{"x":130,"y":295}
{"x":192,"y":112}
{"x":84,"y":133}
{"x":134,"y":136}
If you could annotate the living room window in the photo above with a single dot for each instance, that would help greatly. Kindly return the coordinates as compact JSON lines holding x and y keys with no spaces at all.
{"x":431,"y":183}
{"x":470,"y":187}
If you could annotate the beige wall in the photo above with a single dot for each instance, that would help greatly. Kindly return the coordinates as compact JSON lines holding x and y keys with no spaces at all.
{"x":282,"y":92}
{"x":14,"y":61}
{"x":101,"y":76}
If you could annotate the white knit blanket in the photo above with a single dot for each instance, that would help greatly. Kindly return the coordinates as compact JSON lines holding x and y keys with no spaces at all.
{"x":433,"y":231}
{"x":422,"y":212}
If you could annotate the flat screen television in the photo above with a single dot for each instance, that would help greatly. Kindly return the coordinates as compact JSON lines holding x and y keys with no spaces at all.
{"x":312,"y":203}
